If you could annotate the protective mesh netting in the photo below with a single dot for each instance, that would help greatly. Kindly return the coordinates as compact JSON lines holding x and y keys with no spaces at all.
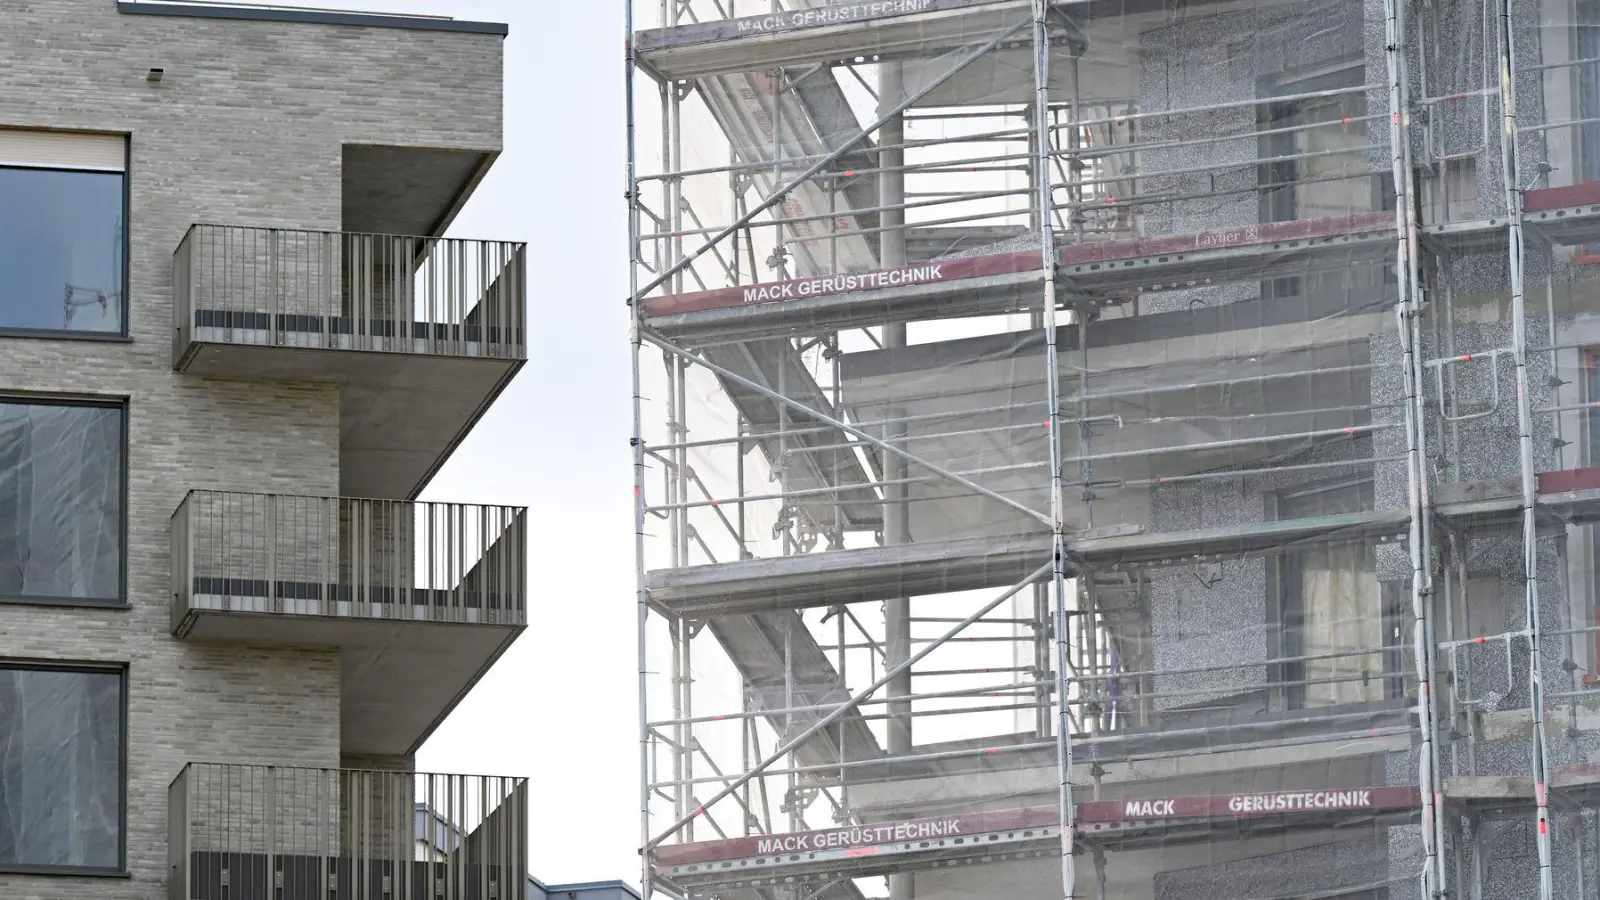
{"x":1304,"y":385}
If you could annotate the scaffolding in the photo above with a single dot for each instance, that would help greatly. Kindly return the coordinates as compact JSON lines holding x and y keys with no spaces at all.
{"x":1127,"y":449}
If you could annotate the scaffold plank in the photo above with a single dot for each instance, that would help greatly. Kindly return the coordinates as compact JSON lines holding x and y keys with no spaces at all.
{"x":1104,"y":271}
{"x":836,"y":32}
{"x":821,"y":286}
{"x":836,"y":577}
{"x":875,"y":574}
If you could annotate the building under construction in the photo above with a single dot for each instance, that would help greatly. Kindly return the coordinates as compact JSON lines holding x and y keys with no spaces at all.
{"x":1138,"y":449}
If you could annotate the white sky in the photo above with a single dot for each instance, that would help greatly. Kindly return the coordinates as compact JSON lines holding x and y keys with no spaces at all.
{"x":560,"y":705}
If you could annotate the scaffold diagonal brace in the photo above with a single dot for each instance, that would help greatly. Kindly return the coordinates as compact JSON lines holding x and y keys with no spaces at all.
{"x":828,"y":159}
{"x":844,"y":427}
{"x":842,"y":709}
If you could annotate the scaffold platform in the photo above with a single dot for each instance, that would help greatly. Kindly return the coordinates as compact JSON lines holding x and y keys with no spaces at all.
{"x":842,"y":31}
{"x":1102,"y":271}
{"x":997,"y":836}
{"x":1228,"y":486}
{"x":875,"y":574}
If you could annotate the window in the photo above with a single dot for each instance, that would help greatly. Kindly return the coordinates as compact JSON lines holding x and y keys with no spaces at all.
{"x":1331,"y":605}
{"x":1584,"y":611}
{"x":62,"y":766}
{"x":1315,"y":166}
{"x":1588,"y":48}
{"x":1587,"y":28}
{"x":63,"y":235}
{"x":61,"y":502}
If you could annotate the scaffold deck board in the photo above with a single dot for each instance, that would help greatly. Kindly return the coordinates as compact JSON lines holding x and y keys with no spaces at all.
{"x":1564,"y":215}
{"x":875,"y":574}
{"x":979,"y":285}
{"x":840,"y":31}
{"x":874,"y":848}
{"x":851,"y":30}
{"x":997,"y":284}
{"x":1004,"y":283}
{"x":1235,"y":730}
{"x":868,"y":574}
{"x":1571,"y":787}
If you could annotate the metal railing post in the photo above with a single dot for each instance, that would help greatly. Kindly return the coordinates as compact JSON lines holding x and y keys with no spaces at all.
{"x":270,"y":826}
{"x":179,"y":867}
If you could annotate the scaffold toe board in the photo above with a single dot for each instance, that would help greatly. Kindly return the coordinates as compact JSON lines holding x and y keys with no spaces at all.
{"x":995,"y":284}
{"x":937,"y":289}
{"x":1572,"y":788}
{"x":863,"y":850}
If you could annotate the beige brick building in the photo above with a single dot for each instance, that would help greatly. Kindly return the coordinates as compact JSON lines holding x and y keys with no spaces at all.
{"x":235,"y":349}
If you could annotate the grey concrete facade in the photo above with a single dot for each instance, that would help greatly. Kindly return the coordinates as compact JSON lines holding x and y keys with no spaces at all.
{"x":247,"y":126}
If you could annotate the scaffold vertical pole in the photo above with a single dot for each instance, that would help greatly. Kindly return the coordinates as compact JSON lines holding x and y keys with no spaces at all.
{"x":635,"y":335}
{"x":1407,"y":310}
{"x":1510,"y":157}
{"x":1043,"y":152}
{"x":1407,"y":195}
{"x":892,"y":244}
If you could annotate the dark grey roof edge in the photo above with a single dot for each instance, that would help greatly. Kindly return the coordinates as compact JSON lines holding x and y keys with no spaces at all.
{"x":594,"y":886}
{"x":313,"y":16}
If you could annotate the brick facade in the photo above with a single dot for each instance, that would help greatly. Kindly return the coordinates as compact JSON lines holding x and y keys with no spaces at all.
{"x":246,"y":127}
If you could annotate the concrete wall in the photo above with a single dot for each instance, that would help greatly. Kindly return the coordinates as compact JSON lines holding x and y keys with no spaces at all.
{"x":246,"y":128}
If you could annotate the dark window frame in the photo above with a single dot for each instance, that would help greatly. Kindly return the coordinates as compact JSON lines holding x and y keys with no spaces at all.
{"x":121,"y":404}
{"x":124,"y":333}
{"x":120,"y":870}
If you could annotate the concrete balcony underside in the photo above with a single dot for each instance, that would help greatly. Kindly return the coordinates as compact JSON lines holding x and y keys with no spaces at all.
{"x":420,"y":599}
{"x":401,"y":414}
{"x":419,"y":334}
{"x":400,"y":673}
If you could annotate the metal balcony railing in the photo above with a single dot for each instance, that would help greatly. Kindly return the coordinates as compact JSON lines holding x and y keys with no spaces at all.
{"x":241,"y":832}
{"x":346,"y":291}
{"x":336,"y":556}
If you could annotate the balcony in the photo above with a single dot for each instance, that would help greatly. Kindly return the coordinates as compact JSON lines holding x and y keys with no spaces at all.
{"x":272,"y":833}
{"x":420,"y":598}
{"x":420,"y":334}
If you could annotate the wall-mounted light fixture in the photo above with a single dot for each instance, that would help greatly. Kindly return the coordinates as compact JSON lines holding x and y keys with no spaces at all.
{"x":155,"y":75}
